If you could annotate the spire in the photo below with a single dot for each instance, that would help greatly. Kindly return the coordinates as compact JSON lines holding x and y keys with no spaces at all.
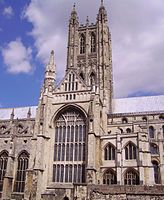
{"x":51,"y":61}
{"x":51,"y":66}
{"x":50,"y":71}
{"x":102,"y":15}
{"x":74,"y":17}
{"x":74,"y":13}
{"x":102,"y":3}
{"x":87,"y":21}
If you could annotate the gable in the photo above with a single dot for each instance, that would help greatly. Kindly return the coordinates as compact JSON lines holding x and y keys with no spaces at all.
{"x":72,"y":82}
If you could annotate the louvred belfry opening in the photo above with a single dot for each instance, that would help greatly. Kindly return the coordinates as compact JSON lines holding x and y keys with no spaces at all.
{"x":69,"y":147}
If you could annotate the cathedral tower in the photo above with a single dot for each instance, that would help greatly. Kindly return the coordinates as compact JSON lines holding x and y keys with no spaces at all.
{"x":89,"y":53}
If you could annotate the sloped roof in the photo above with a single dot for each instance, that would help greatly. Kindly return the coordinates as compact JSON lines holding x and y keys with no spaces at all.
{"x":20,"y":113}
{"x":138,"y":104}
{"x":125,"y":105}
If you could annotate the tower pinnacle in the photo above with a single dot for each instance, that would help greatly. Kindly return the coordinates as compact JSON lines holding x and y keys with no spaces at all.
{"x":50,"y":71}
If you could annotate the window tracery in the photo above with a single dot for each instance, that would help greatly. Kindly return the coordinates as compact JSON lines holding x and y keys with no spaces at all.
{"x":69,"y":148}
{"x":109,"y":152}
{"x":130,"y":151}
{"x":3,"y":167}
{"x":82,"y":44}
{"x":110,"y":177}
{"x":93,"y":42}
{"x":131,"y":177}
{"x":23,"y":160}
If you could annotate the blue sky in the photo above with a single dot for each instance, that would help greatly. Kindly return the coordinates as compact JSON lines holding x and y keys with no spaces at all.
{"x":30,"y":29}
{"x":18,"y":87}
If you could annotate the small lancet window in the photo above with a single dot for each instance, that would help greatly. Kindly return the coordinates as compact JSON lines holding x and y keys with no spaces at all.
{"x":93,"y":42}
{"x":157,"y":177}
{"x":154,"y":149}
{"x":3,"y":166}
{"x":151,"y":132}
{"x":128,"y":130}
{"x":82,"y":44}
{"x":144,"y":119}
{"x":124,"y":120}
{"x":92,"y":79}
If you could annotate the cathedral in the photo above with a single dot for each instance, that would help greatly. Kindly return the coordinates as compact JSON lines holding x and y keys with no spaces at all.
{"x":79,"y":142}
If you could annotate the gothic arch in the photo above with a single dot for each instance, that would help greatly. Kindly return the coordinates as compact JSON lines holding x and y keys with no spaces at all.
{"x":109,"y":151}
{"x":151,"y":132}
{"x":23,"y":152}
{"x":69,"y":146}
{"x":130,"y":150}
{"x":92,"y":42}
{"x":4,"y":152}
{"x":92,"y":78}
{"x":110,"y":177}
{"x":157,"y":175}
{"x":22,"y":166}
{"x":3,"y":166}
{"x":131,"y":176}
{"x":65,"y":107}
{"x":82,"y":43}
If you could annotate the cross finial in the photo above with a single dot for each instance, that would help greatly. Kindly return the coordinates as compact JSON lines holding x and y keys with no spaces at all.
{"x":102,"y":2}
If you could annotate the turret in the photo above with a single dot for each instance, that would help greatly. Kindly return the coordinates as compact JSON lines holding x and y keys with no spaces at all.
{"x":105,"y":57}
{"x":72,"y":40}
{"x":50,"y":73}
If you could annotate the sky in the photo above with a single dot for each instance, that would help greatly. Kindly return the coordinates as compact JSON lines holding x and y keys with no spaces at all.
{"x":30,"y":29}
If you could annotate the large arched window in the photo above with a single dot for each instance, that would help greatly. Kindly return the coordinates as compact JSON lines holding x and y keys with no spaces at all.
{"x":93,"y":42}
{"x":154,"y":149}
{"x":82,"y":44}
{"x":110,"y":177}
{"x":69,"y":147}
{"x":109,"y":152}
{"x":130,"y":151}
{"x":131,"y":177}
{"x":157,"y":177}
{"x":151,"y":132}
{"x":23,"y":160}
{"x":3,"y":166}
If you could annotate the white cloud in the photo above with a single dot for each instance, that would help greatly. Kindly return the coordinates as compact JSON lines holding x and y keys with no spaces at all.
{"x":8,"y":11}
{"x":17,"y":57}
{"x":137,"y":38}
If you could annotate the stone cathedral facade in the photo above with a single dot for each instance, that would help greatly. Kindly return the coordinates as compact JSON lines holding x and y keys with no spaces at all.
{"x":80,"y":143}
